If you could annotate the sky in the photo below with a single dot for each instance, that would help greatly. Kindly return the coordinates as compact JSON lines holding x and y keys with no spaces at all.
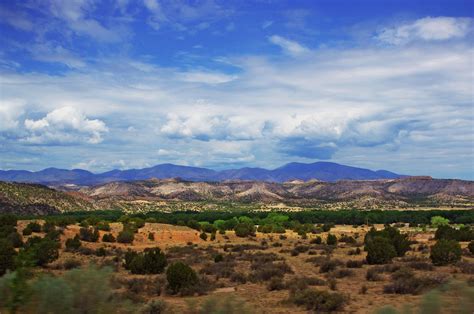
{"x":103,"y":85}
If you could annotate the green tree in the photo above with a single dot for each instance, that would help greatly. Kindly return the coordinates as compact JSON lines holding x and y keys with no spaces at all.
{"x":445,"y":252}
{"x":180,"y":276}
{"x":437,"y":221}
{"x":380,"y":251}
{"x":7,"y":256}
{"x":331,"y":240}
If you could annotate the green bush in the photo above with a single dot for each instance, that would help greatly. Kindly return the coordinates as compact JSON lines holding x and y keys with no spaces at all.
{"x":7,"y":256}
{"x":151,"y":261}
{"x":38,"y":252}
{"x":154,"y":307}
{"x":399,"y":241}
{"x":471,"y":247}
{"x":218,"y":258}
{"x":448,"y":233}
{"x":15,"y":239}
{"x":203,"y":236}
{"x":89,"y":234}
{"x":318,"y":301}
{"x":34,"y":227}
{"x":125,"y":236}
{"x":180,"y":276}
{"x":108,"y":237}
{"x":73,"y":244}
{"x":104,"y":226}
{"x":380,"y":251}
{"x":445,"y":252}
{"x":331,"y":240}
{"x":244,"y":229}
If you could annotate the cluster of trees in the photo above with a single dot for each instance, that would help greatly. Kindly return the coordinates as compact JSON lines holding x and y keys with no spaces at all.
{"x":36,"y":251}
{"x":150,"y":261}
{"x":383,"y":245}
{"x":192,"y":218}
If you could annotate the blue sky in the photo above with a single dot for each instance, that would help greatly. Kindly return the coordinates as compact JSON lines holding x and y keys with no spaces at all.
{"x":123,"y":84}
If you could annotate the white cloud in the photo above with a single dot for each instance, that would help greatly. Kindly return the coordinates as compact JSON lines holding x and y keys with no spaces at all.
{"x":64,"y":125}
{"x":428,"y":29}
{"x":205,"y":127}
{"x":10,"y":112}
{"x":289,"y":46}
{"x":206,"y":77}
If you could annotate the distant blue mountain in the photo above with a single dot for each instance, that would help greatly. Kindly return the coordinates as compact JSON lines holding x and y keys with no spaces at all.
{"x":324,"y":171}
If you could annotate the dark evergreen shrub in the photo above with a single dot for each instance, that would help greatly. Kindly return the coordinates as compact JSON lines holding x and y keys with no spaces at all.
{"x":445,"y":252}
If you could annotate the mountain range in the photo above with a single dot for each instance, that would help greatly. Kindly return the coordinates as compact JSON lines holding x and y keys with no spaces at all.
{"x":323,"y":171}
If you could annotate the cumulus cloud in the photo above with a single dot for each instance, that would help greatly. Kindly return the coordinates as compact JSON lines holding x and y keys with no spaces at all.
{"x":64,"y":126}
{"x":205,"y":127}
{"x":10,"y":112}
{"x":428,"y":29}
{"x":289,"y":46}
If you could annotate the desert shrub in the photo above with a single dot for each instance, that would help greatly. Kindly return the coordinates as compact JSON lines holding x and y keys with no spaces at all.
{"x":180,"y":276}
{"x":420,"y":265}
{"x":48,"y":226}
{"x":329,"y":265}
{"x":445,"y":252}
{"x":301,"y":283}
{"x":363,"y":289}
{"x":125,"y":236}
{"x":331,"y":239}
{"x":318,"y":301}
{"x":347,"y":239}
{"x":85,"y":250}
{"x":220,"y":270}
{"x":404,"y":281}
{"x":466,"y":267}
{"x":27,"y":231}
{"x":316,"y":240}
{"x":34,"y":227}
{"x":203,"y":236}
{"x":108,"y":237}
{"x":373,"y":274}
{"x":354,"y":264}
{"x":103,"y":225}
{"x":341,"y":273}
{"x":380,"y":251}
{"x":71,"y":263}
{"x":151,"y":236}
{"x":218,"y":258}
{"x":266,"y":271}
{"x":154,"y":307}
{"x":301,"y":248}
{"x":327,"y":227}
{"x":471,"y":247}
{"x":89,"y":234}
{"x":283,"y":237}
{"x":355,"y":251}
{"x":275,"y":283}
{"x":244,"y":229}
{"x":238,"y":277}
{"x":7,"y":256}
{"x":72,"y":244}
{"x":151,"y":261}
{"x":220,"y":304}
